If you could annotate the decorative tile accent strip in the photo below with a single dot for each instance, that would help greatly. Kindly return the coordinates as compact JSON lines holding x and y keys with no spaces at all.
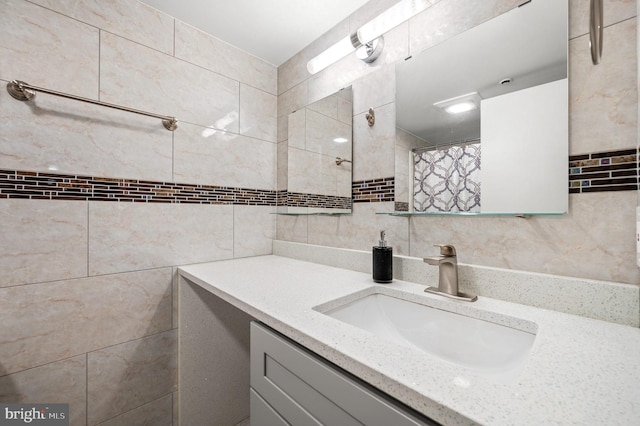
{"x":604,"y":171}
{"x":401,"y":206}
{"x":373,"y":191}
{"x":54,"y":186}
{"x":297,"y":199}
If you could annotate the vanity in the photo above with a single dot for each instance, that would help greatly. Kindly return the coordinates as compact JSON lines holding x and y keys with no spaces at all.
{"x":556,"y":368}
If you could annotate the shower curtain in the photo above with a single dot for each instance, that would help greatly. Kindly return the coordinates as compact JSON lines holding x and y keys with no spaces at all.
{"x":447,"y":179}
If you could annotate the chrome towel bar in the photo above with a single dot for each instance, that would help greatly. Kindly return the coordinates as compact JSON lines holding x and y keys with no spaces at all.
{"x":25,"y":92}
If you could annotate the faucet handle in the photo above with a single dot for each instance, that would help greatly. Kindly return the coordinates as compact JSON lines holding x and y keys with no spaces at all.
{"x":446,"y":250}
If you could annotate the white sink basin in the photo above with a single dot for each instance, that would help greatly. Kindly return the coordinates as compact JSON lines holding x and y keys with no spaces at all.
{"x":490,"y":349}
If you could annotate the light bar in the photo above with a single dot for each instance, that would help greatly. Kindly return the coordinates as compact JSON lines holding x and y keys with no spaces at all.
{"x":370,"y":31}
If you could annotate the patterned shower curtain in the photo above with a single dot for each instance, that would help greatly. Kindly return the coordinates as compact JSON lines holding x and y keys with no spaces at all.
{"x":447,"y":180}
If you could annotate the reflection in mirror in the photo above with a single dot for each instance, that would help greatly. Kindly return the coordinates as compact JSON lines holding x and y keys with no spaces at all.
{"x":482,"y":118}
{"x":320,"y":156}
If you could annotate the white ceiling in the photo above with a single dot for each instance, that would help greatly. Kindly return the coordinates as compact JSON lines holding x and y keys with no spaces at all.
{"x":273,"y":30}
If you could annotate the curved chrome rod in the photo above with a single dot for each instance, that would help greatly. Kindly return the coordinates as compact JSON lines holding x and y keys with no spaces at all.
{"x":342,"y":160}
{"x":25,"y":92}
{"x":596,"y":30}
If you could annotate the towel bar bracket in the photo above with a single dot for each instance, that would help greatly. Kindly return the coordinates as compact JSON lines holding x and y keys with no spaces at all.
{"x":17,"y":90}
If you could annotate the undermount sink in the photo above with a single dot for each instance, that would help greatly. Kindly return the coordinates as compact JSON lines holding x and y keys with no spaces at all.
{"x":491,"y":350}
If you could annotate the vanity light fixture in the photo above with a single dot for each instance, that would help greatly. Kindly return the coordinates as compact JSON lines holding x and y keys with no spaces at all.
{"x":460,"y":104}
{"x":370,"y":51}
{"x":341,"y":140}
{"x":367,"y":39}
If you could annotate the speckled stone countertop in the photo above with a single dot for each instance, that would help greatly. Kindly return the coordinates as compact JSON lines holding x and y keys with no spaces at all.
{"x":579,"y":371}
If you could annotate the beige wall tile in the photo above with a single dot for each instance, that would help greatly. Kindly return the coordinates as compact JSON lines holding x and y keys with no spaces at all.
{"x":126,"y":376}
{"x":344,"y":179}
{"x":62,"y":382}
{"x":50,"y":321}
{"x":143,"y":78}
{"x":282,"y":162}
{"x":292,"y":228}
{"x":326,"y":106}
{"x":614,"y":11}
{"x":42,"y":241}
{"x":374,"y":90}
{"x":361,"y":230}
{"x":207,"y":156}
{"x":216,"y":55}
{"x":373,"y":147}
{"x":345,"y":106}
{"x":132,"y":236}
{"x":323,"y":180}
{"x":320,"y":130}
{"x":282,"y":128}
{"x":294,"y":99}
{"x":134,"y":20}
{"x":289,"y":102}
{"x":254,"y":228}
{"x":603,"y":98}
{"x":593,"y":241}
{"x":155,"y":413}
{"x":49,"y":50}
{"x":258,"y":114}
{"x":297,"y":125}
{"x":68,"y":136}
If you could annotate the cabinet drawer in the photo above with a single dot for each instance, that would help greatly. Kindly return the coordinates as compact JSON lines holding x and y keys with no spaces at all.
{"x":305,"y":389}
{"x":263,"y":411}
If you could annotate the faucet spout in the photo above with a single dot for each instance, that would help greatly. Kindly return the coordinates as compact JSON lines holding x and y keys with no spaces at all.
{"x":436,"y":260}
{"x":447,"y":264}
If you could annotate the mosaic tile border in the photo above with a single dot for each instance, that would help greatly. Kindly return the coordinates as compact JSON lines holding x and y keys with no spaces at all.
{"x":401,"y":206}
{"x":594,"y":172}
{"x":604,"y":171}
{"x":58,"y":186}
{"x":297,"y":199}
{"x":374,"y":190}
{"x":54,"y":186}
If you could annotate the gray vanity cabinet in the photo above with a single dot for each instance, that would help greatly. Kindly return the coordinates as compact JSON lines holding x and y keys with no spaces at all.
{"x":292,"y":386}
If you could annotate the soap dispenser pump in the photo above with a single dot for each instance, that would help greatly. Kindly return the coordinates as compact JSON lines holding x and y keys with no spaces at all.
{"x":382,"y":261}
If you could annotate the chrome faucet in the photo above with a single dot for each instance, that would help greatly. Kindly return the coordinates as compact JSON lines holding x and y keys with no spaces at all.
{"x":447,"y":264}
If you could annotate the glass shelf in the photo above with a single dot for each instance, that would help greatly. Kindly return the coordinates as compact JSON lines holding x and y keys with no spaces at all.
{"x":457,"y":214}
{"x":313,"y":214}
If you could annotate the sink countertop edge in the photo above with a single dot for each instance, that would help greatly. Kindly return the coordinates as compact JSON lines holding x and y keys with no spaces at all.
{"x":271,"y":289}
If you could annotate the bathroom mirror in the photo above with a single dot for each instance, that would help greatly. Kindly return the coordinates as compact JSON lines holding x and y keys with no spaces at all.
{"x":319,"y":156}
{"x":482,"y":118}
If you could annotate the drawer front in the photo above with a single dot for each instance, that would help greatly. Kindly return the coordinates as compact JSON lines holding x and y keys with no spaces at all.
{"x":305,"y":389}
{"x":263,"y":411}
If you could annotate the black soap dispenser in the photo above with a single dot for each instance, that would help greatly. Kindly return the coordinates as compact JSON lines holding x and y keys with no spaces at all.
{"x":382,"y":261}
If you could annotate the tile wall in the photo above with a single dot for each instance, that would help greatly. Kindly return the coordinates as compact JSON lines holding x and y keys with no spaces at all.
{"x":595,"y":240}
{"x":98,"y":206}
{"x":310,"y":149}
